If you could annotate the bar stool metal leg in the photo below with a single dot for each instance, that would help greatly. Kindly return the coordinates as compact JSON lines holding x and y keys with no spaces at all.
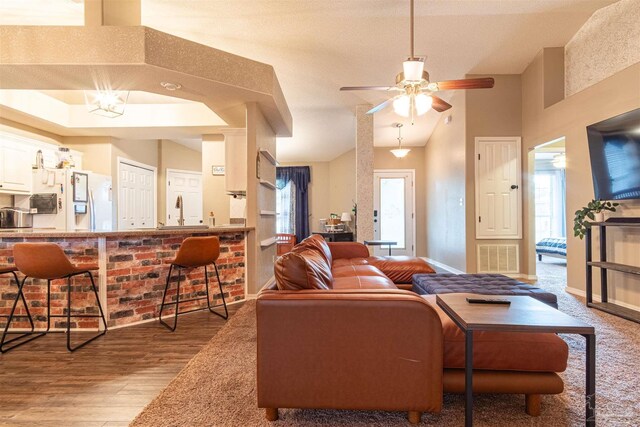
{"x":31,"y":333}
{"x":69,"y":315}
{"x":176,"y":302}
{"x":224,"y":303}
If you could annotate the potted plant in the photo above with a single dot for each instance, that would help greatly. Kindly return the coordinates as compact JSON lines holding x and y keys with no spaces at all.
{"x":594,"y":211}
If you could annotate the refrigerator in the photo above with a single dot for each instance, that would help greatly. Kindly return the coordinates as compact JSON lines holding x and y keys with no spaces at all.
{"x":67,"y":199}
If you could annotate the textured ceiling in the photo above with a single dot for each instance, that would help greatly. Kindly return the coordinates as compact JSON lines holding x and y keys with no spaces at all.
{"x":317,"y":46}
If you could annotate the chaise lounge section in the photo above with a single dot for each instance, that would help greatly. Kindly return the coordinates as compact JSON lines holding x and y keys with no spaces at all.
{"x":335,"y":332}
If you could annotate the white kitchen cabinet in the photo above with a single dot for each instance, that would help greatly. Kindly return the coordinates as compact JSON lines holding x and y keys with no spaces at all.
{"x":15,"y":167}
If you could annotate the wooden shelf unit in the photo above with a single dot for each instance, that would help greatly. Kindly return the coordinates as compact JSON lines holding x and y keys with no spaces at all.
{"x":605,"y":266}
{"x":268,"y":184}
{"x":269,"y":156}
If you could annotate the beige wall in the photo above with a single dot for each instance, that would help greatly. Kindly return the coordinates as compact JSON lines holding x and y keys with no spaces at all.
{"x":492,"y":112}
{"x":215,"y":198}
{"x":319,"y":190}
{"x":608,"y":43}
{"x":342,"y":194}
{"x":445,"y":188}
{"x":174,"y":156}
{"x":383,"y":159}
{"x":95,"y":150}
{"x":612,"y":96}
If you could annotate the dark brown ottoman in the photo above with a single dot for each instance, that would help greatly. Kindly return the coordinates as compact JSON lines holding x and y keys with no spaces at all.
{"x":484,"y":284}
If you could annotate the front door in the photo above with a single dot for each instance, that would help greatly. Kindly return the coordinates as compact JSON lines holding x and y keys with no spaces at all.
{"x":188,"y":185}
{"x":393,"y":204}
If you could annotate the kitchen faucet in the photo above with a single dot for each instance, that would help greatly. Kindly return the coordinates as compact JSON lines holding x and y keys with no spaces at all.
{"x":180,"y":205}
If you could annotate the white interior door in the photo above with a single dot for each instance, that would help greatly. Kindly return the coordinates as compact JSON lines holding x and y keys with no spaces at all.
{"x":498,"y":188}
{"x":136,"y":197}
{"x":393,"y":205}
{"x":188,"y":185}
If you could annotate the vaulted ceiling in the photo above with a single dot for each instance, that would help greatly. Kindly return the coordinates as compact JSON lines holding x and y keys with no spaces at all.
{"x":316,"y":46}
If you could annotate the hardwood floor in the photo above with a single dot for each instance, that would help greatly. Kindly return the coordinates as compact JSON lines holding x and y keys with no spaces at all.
{"x":106,"y":383}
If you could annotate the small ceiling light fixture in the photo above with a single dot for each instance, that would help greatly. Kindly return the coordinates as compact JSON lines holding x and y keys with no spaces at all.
{"x":400,"y":152}
{"x":559,"y":161}
{"x":107,"y":103}
{"x":413,"y":104}
{"x":171,"y":86}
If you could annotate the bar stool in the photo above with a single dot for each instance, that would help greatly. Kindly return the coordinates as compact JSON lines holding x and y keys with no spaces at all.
{"x":47,"y":261}
{"x":3,"y":342}
{"x":193,"y":253}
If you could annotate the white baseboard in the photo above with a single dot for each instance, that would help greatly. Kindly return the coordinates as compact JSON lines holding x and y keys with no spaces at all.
{"x":155,"y":319}
{"x":443,"y":266}
{"x":522,"y":276}
{"x":596,"y":297}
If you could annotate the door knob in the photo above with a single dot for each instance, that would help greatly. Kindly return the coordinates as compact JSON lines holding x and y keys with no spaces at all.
{"x":514,"y":187}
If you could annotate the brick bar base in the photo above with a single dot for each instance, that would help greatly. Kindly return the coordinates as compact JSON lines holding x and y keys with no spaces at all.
{"x":136,"y":270}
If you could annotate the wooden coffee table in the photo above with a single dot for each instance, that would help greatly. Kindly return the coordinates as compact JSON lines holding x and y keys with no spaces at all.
{"x":524,"y":314}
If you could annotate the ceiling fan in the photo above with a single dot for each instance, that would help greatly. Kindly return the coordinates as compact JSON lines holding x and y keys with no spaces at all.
{"x":416,"y":96}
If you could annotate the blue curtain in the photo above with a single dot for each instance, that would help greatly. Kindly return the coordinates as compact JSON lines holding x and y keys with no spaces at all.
{"x":299,"y":176}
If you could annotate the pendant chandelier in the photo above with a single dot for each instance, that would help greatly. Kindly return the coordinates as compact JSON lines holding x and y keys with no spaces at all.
{"x":400,"y":152}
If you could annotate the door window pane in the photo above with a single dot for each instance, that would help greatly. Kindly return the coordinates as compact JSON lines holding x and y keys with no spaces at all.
{"x":392,"y":211}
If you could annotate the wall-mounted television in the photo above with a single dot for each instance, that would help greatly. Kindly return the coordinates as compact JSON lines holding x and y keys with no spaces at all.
{"x":614,"y":148}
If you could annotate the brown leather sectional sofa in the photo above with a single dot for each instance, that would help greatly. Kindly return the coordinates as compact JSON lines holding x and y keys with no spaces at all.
{"x":336,"y":332}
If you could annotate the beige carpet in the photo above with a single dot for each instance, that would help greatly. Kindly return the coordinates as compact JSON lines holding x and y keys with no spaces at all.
{"x":217,"y":387}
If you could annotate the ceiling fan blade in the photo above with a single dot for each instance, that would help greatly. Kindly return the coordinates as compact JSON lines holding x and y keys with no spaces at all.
{"x":381,"y":106}
{"x":480,"y":83}
{"x":439,"y":104}
{"x":386,"y":88}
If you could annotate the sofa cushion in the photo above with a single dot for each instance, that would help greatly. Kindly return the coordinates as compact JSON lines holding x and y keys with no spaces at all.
{"x":356,"y":270}
{"x":508,"y":351}
{"x":316,"y":242}
{"x":400,"y":269}
{"x":302,"y":269}
{"x":363,"y":282}
{"x":349,"y":261}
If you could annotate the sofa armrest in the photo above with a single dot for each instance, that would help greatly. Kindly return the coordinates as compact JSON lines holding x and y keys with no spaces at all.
{"x":348,"y":349}
{"x":340,"y":250}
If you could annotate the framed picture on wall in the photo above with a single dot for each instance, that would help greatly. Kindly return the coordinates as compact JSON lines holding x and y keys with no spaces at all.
{"x":217,"y":170}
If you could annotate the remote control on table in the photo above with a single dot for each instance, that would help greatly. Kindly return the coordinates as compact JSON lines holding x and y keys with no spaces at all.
{"x":488,"y":301}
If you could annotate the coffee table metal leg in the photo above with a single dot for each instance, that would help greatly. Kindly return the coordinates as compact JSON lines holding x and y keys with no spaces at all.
{"x":468,"y":379}
{"x":590,"y":390}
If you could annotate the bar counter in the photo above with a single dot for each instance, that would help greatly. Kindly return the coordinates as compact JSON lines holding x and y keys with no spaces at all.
{"x":132,"y":274}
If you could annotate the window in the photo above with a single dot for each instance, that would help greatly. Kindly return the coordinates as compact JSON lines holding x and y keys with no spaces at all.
{"x":550,"y":201}
{"x":285,"y":209}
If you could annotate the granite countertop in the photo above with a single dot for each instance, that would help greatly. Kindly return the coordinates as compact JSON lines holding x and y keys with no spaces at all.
{"x":46,"y":232}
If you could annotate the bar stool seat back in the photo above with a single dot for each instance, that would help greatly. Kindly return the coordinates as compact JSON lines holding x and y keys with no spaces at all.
{"x":43,"y":261}
{"x":198,"y":252}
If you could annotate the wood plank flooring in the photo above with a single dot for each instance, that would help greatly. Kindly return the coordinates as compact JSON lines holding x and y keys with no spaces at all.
{"x":106,"y":383}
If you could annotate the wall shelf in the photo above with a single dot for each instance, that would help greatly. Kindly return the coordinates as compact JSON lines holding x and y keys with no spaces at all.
{"x":268,"y":184}
{"x":267,"y":213}
{"x":605,"y":266}
{"x":269,"y":157}
{"x":267,"y":242}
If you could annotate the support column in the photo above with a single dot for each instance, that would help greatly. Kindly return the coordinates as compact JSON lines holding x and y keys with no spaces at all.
{"x":364,"y":172}
{"x":112,"y":12}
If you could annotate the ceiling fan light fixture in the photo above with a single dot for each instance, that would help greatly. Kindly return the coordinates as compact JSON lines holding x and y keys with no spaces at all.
{"x":423,"y":103}
{"x":402,"y":106}
{"x":413,"y":70}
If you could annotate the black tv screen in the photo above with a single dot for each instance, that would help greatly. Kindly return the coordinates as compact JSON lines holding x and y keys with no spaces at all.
{"x":614,"y":148}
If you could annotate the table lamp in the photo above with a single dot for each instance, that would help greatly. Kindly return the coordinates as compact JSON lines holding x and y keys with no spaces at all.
{"x":346,"y":218}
